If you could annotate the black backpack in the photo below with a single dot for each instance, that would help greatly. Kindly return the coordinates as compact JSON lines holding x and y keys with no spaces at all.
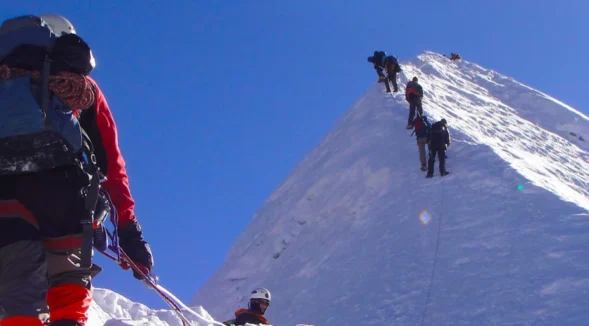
{"x":437,"y":131}
{"x":393,"y":60}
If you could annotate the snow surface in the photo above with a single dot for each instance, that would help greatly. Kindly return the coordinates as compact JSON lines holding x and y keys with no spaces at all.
{"x":356,"y":235}
{"x":112,"y":309}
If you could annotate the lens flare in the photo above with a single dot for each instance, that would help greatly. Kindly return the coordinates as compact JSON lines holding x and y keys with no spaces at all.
{"x":425,"y":217}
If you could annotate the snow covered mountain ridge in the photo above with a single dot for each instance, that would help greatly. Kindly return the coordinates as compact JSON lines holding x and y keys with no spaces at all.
{"x":356,"y":235}
{"x":527,"y":128}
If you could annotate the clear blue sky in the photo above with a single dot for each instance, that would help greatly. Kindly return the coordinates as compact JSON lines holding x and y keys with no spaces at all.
{"x":216,"y":101}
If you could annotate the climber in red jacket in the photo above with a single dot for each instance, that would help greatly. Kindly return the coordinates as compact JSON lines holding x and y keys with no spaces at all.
{"x":41,"y":239}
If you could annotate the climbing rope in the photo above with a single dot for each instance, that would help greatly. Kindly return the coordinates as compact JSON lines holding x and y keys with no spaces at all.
{"x":429,"y":288}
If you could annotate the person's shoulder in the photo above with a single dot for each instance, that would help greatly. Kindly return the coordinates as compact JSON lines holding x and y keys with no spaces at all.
{"x":94,"y":84}
{"x":244,"y":316}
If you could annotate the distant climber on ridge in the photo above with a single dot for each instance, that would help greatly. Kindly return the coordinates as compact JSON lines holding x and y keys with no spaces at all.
{"x":383,"y":62}
{"x":391,"y":64}
{"x":439,"y":143}
{"x":422,"y":133}
{"x":378,"y":61}
{"x":454,"y":56}
{"x":413,"y":95}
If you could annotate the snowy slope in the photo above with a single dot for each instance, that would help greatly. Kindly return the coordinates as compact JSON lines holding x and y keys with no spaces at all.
{"x":356,"y":235}
{"x":112,"y":309}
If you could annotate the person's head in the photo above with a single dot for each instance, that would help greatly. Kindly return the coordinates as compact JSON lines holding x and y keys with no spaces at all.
{"x":260,"y":300}
{"x":66,"y":32}
{"x":370,"y":59}
{"x":415,"y":79}
{"x":444,"y":122}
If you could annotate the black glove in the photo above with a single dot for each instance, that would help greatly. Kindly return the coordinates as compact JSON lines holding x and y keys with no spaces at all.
{"x":132,"y":242}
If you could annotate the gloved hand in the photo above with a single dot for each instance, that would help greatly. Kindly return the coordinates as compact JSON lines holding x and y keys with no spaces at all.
{"x":132,"y":242}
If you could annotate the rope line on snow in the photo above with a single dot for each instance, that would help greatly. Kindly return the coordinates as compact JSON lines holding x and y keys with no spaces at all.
{"x":429,"y":289}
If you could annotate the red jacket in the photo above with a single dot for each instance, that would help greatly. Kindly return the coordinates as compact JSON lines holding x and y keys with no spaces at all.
{"x":100,"y":126}
{"x":244,"y":316}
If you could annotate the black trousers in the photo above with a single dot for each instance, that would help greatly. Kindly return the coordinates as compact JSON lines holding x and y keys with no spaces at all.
{"x":392,"y":77}
{"x":53,"y":200}
{"x":441,"y":153}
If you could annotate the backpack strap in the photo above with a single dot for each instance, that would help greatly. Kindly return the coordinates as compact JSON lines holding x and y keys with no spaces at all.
{"x":90,"y":199}
{"x":45,"y":90}
{"x":89,"y":166}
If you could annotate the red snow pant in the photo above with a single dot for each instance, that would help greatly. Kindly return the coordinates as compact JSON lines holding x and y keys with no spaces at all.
{"x":40,"y":240}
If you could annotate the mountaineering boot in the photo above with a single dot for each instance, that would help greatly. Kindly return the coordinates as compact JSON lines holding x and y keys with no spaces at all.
{"x":423,"y":168}
{"x":444,"y":173}
{"x":429,"y":176}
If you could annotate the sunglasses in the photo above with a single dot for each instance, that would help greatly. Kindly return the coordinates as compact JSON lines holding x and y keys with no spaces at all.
{"x":262,"y":302}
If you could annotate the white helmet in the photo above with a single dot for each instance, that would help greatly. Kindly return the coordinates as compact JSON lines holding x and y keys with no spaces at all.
{"x":59,"y":24}
{"x":261,"y":293}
